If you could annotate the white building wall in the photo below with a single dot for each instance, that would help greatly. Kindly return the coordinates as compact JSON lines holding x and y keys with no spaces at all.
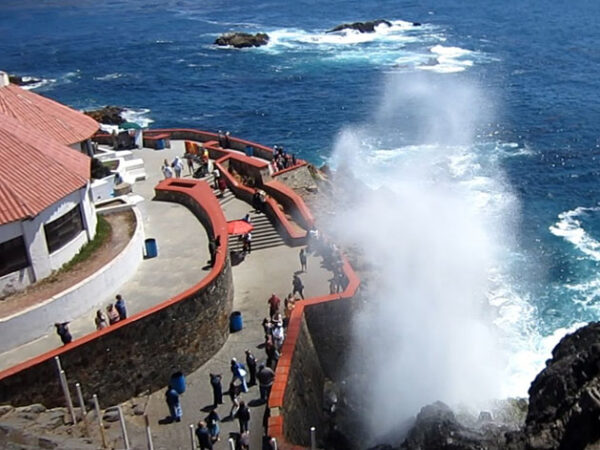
{"x":80,"y":299}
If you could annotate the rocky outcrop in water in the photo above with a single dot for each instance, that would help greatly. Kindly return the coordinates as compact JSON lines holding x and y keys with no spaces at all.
{"x":563,"y":413}
{"x":109,"y":115}
{"x":363,"y":27}
{"x":23,"y":81}
{"x":242,"y":40}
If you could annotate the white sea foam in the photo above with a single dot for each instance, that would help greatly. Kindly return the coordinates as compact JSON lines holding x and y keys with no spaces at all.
{"x":569,"y":227}
{"x":450,"y":59}
{"x":41,"y":83}
{"x":139,"y":116}
{"x":109,"y":76}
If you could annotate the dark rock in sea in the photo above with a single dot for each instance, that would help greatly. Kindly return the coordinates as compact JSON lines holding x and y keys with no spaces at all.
{"x":363,"y":27}
{"x":242,"y":40}
{"x":109,"y":115}
{"x":22,"y":81}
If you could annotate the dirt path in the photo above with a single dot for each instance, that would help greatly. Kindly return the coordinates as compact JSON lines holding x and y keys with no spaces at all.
{"x":122,"y":227}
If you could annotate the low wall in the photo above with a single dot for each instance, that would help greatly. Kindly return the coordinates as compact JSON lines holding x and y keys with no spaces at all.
{"x":86,"y":295}
{"x":141,"y":352}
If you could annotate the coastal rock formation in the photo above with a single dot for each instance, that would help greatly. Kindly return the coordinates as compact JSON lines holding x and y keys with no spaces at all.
{"x":109,"y":115}
{"x":242,"y":40}
{"x":363,"y":27}
{"x":22,"y":81}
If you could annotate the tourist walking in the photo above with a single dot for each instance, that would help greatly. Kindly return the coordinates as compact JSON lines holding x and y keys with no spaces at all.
{"x":212,"y":422}
{"x":251,"y":364}
{"x":247,"y":243}
{"x":167,"y":170}
{"x":235,"y":403}
{"x":243,"y":416}
{"x":172,"y":399}
{"x":303,"y":260}
{"x":120,"y":306}
{"x":203,"y":435}
{"x":217,"y":388}
{"x":278,"y":334}
{"x":177,"y":165}
{"x":113,"y":315}
{"x":100,"y":320}
{"x":272,"y":352}
{"x":239,"y":372}
{"x":265,"y":376}
{"x":62,"y":329}
{"x":297,"y":286}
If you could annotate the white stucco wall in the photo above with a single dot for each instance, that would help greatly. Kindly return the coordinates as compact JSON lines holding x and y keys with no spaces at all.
{"x":43,"y":263}
{"x":85,"y":296}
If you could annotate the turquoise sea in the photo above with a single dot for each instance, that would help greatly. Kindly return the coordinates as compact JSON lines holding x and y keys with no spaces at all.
{"x":496,"y":101}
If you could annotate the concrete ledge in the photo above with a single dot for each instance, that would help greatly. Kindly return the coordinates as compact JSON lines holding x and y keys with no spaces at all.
{"x":86,"y":295}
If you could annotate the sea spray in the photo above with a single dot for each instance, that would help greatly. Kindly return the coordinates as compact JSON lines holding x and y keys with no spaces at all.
{"x":434,"y":227}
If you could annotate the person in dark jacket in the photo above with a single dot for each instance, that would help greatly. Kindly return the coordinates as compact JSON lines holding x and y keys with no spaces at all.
{"x":62,"y":329}
{"x":251,"y":364}
{"x":212,"y":422}
{"x":215,"y":382}
{"x":172,"y":399}
{"x":243,"y":416}
{"x":203,"y":436}
{"x":120,"y":306}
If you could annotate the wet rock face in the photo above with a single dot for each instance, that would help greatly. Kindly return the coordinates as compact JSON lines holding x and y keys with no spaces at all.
{"x":242,"y":40}
{"x":109,"y":115}
{"x":22,"y":81}
{"x":564,"y":399}
{"x":363,"y":27}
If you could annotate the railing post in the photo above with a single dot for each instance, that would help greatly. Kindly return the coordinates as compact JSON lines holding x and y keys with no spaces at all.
{"x":148,"y":433}
{"x":273,"y":444}
{"x":192,"y":440}
{"x":83,"y":409}
{"x":231,"y":444}
{"x":123,"y":427}
{"x":65,"y":386}
{"x":99,"y":418}
{"x":313,"y":438}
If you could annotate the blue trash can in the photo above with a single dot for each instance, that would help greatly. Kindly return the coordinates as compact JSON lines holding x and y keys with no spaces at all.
{"x":160,"y":144}
{"x":235,"y":321}
{"x":151,"y":248}
{"x":178,"y":382}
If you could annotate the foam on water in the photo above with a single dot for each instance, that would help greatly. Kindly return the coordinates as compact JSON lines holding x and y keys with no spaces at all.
{"x":569,"y":227}
{"x":139,"y":116}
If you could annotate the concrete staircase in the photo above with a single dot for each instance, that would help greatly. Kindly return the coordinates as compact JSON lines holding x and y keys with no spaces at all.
{"x":264,"y":234}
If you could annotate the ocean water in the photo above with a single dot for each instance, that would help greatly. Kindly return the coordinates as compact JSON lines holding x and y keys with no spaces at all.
{"x":518,"y":77}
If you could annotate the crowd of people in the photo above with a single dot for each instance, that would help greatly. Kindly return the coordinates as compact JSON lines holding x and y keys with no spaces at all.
{"x":281,"y":159}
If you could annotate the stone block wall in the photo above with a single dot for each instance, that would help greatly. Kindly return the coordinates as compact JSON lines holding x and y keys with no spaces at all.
{"x":303,"y":400}
{"x":330,"y":324}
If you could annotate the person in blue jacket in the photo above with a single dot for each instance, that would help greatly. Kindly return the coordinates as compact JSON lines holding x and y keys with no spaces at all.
{"x":172,"y":399}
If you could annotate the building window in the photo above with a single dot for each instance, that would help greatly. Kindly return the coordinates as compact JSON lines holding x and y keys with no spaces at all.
{"x":62,"y":230}
{"x":13,"y":256}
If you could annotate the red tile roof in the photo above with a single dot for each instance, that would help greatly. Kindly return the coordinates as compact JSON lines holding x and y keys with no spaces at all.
{"x":35,"y":171}
{"x":63,"y":124}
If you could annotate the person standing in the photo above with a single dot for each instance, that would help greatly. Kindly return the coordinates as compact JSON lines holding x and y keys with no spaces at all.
{"x":274,"y":303}
{"x":235,"y":403}
{"x":265,"y":381}
{"x":203,"y":435}
{"x":243,"y":416}
{"x":217,"y":388}
{"x":62,"y":329}
{"x":172,"y":399}
{"x":247,"y":243}
{"x":251,"y":364}
{"x":303,"y":259}
{"x":297,"y":286}
{"x":120,"y":306}
{"x":113,"y":315}
{"x":212,"y":422}
{"x":100,"y":320}
{"x":167,"y":170}
{"x":177,"y":166}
